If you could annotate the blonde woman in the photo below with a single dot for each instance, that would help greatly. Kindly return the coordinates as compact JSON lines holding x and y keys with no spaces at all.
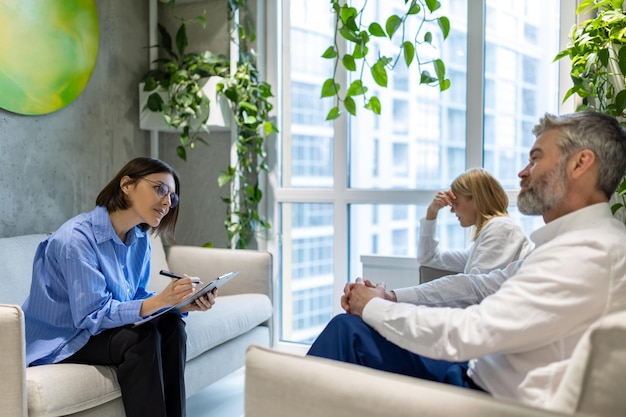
{"x":478,"y":200}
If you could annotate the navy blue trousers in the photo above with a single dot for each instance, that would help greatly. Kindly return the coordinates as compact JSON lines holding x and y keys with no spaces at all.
{"x":347,"y":338}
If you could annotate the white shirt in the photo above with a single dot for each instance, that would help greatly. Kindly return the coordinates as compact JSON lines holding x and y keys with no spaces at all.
{"x":500,"y":242}
{"x":520,"y":338}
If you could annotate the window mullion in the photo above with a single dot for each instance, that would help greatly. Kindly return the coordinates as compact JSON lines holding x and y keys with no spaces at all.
{"x":475,"y":83}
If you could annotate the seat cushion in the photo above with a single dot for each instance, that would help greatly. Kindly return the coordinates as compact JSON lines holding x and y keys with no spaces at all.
{"x":62,"y":389}
{"x":231,"y":316}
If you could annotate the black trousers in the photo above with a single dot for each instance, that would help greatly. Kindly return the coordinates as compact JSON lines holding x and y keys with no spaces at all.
{"x":150,"y":361}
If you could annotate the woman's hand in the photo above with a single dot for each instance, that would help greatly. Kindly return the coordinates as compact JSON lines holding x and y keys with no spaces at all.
{"x":174,"y":293}
{"x":441,"y":200}
{"x":203,"y":303}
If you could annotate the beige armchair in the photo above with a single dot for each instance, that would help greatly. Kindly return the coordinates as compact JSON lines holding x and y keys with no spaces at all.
{"x":281,"y":385}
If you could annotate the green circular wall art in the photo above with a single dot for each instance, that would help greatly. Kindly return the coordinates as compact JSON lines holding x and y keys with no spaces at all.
{"x":48,"y":50}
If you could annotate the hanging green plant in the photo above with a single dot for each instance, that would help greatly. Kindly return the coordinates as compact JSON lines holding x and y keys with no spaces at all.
{"x":181,"y":74}
{"x":251,"y":107}
{"x":357,"y":34}
{"x":250,"y":100}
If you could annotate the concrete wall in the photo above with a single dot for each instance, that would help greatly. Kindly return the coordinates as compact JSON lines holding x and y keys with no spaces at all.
{"x":52,"y":167}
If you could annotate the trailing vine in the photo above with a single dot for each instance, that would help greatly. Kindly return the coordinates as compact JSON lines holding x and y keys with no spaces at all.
{"x":351,"y":29}
{"x":181,"y":74}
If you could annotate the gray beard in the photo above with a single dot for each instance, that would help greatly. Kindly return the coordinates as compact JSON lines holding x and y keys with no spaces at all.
{"x":547,"y":192}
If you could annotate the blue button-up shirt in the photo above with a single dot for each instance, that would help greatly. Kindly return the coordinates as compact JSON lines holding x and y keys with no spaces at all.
{"x":85,"y":280}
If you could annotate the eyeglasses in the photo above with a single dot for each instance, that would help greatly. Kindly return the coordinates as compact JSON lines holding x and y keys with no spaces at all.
{"x":163,"y":190}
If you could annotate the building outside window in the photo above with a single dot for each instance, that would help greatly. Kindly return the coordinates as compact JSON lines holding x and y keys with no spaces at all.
{"x":359,"y":185}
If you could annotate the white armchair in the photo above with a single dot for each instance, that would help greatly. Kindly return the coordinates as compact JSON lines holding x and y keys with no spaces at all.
{"x":281,"y":385}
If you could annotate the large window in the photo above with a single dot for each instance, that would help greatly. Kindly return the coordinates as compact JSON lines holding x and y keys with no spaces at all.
{"x":358,"y":186}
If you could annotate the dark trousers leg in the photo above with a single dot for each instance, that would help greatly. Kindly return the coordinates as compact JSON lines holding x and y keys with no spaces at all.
{"x":348,"y":339}
{"x":150,"y":361}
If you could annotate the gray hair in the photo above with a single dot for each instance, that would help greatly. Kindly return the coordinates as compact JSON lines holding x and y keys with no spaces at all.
{"x":598,"y":132}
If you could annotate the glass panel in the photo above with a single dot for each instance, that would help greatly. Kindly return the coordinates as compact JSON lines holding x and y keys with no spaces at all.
{"x":308,"y":139}
{"x":521,"y":81}
{"x":528,"y":223}
{"x":306,"y":248}
{"x":392,"y":230}
{"x":419,"y":120}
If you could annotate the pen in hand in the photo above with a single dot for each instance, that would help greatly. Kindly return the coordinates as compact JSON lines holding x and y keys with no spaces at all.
{"x":176,"y":276}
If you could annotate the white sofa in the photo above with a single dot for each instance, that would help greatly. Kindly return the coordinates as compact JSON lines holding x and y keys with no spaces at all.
{"x":216,"y":345}
{"x":283,"y":385}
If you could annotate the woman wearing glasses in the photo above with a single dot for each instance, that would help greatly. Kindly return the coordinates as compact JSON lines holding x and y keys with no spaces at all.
{"x":89,"y":287}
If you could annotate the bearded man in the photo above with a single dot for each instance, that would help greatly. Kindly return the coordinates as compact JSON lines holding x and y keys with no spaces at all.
{"x":509,"y":333}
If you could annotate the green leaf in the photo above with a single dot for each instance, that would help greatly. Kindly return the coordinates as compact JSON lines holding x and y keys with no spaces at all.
{"x":329,"y":53}
{"x":426,"y":78}
{"x":348,"y":62}
{"x":440,"y":69}
{"x":392,"y":25}
{"x":616,"y":207}
{"x":428,"y":37}
{"x":620,"y":102}
{"x":444,"y":84}
{"x":347,"y":13}
{"x":432,"y":5}
{"x":376,"y":30}
{"x":181,"y":152}
{"x":226,"y":177}
{"x":379,"y":73}
{"x":414,"y":9}
{"x":166,"y":41}
{"x":155,"y":102}
{"x":348,"y":34}
{"x":333,"y":114}
{"x":350,"y":105}
{"x":583,"y":5}
{"x":409,"y":52}
{"x":621,"y":56}
{"x":444,"y":24}
{"x":359,"y":51}
{"x":374,"y":105}
{"x":330,"y":88}
{"x":603,"y":57}
{"x":181,"y":39}
{"x":356,"y":88}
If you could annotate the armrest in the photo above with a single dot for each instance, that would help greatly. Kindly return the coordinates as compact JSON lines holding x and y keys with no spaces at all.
{"x":12,"y":362}
{"x":255,"y":267}
{"x":428,"y":273}
{"x":284,"y":385}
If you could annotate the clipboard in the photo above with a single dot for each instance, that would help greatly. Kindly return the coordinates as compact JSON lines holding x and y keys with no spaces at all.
{"x":216,"y":283}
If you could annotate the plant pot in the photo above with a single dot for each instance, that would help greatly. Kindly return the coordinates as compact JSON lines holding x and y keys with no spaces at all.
{"x":220,"y":113}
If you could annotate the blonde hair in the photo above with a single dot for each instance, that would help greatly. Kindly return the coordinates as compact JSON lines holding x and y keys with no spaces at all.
{"x":489,"y":197}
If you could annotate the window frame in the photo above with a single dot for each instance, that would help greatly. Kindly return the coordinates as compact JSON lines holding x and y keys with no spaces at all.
{"x":276,"y":14}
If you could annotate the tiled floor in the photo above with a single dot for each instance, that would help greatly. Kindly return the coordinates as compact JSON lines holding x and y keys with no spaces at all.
{"x":221,"y":399}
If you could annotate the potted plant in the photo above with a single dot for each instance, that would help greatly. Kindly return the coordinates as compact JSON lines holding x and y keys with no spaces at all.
{"x":176,"y":92}
{"x":599,"y":66}
{"x":177,"y":88}
{"x":352,"y":28}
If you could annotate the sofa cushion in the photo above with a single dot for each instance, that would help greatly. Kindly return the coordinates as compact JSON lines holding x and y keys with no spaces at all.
{"x":16,"y":260}
{"x":231,"y":316}
{"x":62,"y":389}
{"x":596,"y":375}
